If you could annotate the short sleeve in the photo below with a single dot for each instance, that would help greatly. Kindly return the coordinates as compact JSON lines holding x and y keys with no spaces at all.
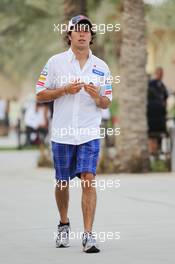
{"x":106,"y":88}
{"x":46,"y":79}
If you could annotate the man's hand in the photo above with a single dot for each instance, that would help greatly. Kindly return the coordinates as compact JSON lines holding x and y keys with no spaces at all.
{"x":92,"y":90}
{"x":74,"y":87}
{"x":101,"y":101}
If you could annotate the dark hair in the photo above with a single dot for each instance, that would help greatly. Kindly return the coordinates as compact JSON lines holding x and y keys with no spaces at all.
{"x":69,"y":34}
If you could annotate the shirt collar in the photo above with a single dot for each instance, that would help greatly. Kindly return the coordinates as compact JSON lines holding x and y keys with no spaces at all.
{"x":71,"y":55}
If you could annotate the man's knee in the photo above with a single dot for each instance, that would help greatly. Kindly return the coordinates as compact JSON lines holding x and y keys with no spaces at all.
{"x":87,"y":181}
{"x":61,"y":185}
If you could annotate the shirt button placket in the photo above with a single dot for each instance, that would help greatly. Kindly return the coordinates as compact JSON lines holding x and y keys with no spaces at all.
{"x":76,"y":104}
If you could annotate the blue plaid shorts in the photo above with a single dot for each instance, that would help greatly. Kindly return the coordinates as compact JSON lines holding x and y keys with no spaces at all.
{"x":72,"y":160}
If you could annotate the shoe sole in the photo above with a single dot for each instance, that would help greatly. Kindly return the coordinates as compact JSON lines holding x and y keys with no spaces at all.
{"x":62,"y":246}
{"x":93,"y":249}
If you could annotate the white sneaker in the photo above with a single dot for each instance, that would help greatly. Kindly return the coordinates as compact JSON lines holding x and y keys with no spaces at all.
{"x":89,"y":243}
{"x":62,"y":238}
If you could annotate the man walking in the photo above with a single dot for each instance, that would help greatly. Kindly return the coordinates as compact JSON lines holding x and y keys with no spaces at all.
{"x":79,"y":84}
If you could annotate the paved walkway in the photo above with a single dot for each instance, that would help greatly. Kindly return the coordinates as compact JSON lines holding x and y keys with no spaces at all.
{"x":142,"y":209}
{"x":9,"y":141}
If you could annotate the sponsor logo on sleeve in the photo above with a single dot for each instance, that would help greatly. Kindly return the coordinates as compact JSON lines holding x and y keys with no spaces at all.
{"x":40,"y":83}
{"x":108,"y":87}
{"x":42,"y":78}
{"x":44,"y":71}
{"x":107,"y":92}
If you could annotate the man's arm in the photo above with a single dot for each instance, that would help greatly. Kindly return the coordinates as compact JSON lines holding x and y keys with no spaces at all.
{"x":101,"y":101}
{"x":52,"y":94}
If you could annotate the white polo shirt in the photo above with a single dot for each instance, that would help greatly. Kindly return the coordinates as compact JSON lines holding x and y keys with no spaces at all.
{"x":76,"y":118}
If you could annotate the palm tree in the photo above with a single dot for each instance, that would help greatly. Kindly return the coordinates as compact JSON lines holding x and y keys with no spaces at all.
{"x":74,"y":7}
{"x":132,"y":142}
{"x":27,"y":28}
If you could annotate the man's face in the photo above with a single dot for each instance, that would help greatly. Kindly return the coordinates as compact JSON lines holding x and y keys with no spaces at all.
{"x":81,"y":36}
{"x":159,"y":74}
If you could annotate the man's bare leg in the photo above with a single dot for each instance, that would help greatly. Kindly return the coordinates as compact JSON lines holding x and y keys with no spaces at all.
{"x":89,"y":198}
{"x":62,"y":200}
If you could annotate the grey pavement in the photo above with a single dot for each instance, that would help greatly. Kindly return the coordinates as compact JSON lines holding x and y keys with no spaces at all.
{"x":142,"y":209}
{"x":9,"y":141}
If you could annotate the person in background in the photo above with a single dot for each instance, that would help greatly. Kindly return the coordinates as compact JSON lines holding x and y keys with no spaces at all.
{"x":4,"y":117}
{"x":14,"y":112}
{"x":36,"y":122}
{"x":156,"y":110}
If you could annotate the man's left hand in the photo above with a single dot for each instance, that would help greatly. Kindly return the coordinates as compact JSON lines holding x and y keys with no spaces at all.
{"x":92,"y":90}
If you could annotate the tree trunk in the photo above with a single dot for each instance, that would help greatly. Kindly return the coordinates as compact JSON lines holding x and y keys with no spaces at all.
{"x":74,"y":7}
{"x":132,"y":142}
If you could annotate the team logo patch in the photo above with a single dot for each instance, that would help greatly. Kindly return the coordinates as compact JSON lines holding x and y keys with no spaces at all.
{"x":108,"y":87}
{"x":42,"y":78}
{"x":40,"y":83}
{"x":108,"y":92}
{"x":95,"y":71}
{"x":44,"y":72}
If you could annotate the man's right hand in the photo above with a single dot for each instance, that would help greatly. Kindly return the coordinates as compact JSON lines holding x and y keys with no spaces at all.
{"x":53,"y":94}
{"x":74,"y":87}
